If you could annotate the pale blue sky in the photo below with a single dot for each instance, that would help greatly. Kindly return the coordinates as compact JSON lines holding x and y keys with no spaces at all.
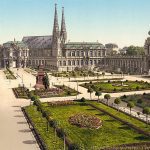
{"x":125,"y":22}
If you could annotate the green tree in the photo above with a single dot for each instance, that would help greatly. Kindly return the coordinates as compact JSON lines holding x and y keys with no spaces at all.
{"x":46,"y":81}
{"x":103,"y":74}
{"x":135,"y":50}
{"x":146,"y":111}
{"x":98,"y":94}
{"x":130,"y":105}
{"x":107,"y":97}
{"x":117,"y":101}
{"x":90,"y":90}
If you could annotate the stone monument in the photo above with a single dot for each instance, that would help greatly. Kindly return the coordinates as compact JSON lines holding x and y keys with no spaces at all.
{"x":39,"y":78}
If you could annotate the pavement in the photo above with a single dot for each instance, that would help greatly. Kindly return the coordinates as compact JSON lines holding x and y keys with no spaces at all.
{"x":15,"y":132}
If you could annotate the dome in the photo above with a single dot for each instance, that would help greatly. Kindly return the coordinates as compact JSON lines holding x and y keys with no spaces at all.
{"x":149,"y":32}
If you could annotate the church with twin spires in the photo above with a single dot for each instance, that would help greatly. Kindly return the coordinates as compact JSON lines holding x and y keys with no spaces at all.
{"x":55,"y":53}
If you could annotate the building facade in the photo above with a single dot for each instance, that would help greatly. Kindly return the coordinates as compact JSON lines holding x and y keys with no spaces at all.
{"x":14,"y":54}
{"x":55,"y":53}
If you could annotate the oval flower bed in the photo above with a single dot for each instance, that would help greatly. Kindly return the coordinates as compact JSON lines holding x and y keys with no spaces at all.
{"x":85,"y":121}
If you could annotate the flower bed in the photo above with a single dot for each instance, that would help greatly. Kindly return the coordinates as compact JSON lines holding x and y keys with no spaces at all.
{"x":61,"y":103}
{"x":85,"y":121}
{"x":9,"y":74}
{"x":59,"y":91}
{"x":21,"y":92}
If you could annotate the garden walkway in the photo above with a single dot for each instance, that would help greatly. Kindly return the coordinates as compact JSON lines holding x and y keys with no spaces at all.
{"x":15,"y":133}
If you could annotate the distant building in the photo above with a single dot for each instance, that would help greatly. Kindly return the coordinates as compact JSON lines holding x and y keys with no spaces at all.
{"x":14,"y":54}
{"x":111,"y":49}
{"x":56,"y":54}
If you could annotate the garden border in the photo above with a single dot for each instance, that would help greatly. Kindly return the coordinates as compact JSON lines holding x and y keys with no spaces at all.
{"x":36,"y":134}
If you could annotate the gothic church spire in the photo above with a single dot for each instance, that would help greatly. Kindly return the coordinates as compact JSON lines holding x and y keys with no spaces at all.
{"x":63,"y":32}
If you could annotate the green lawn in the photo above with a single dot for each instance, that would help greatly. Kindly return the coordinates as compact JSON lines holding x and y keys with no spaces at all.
{"x":111,"y":133}
{"x":141,"y":100}
{"x":116,"y":86}
{"x":121,"y":115}
{"x":52,"y":141}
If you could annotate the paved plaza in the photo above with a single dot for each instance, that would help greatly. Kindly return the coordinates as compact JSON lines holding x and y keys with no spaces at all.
{"x":15,"y":132}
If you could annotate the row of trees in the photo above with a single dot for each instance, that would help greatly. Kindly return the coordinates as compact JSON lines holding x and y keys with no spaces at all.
{"x":117,"y":101}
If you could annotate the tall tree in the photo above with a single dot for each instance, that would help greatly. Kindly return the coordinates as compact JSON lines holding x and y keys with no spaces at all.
{"x":46,"y":81}
{"x":130,"y":105}
{"x":146,"y":111}
{"x":135,"y":50}
{"x":107,"y":97}
{"x":98,"y":94}
{"x":90,"y":90}
{"x":117,"y":101}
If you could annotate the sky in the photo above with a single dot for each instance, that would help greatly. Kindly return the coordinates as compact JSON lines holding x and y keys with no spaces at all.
{"x":124,"y":22}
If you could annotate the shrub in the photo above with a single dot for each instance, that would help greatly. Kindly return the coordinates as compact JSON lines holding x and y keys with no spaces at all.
{"x":144,"y":93}
{"x":60,"y":132}
{"x":100,"y":89}
{"x":108,"y":81}
{"x":90,"y":82}
{"x":115,"y":89}
{"x":137,"y":88}
{"x":124,"y":96}
{"x":82,"y":99}
{"x":139,"y":101}
{"x":68,"y":92}
{"x":74,"y":146}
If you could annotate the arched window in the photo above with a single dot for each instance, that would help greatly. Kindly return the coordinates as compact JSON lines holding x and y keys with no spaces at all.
{"x":91,"y":62}
{"x":64,"y":63}
{"x":69,"y":63}
{"x":91,"y":53}
{"x":78,"y":54}
{"x":73,"y":62}
{"x":78,"y":62}
{"x":82,"y":62}
{"x":73,"y":53}
{"x":60,"y":63}
{"x":82,"y":53}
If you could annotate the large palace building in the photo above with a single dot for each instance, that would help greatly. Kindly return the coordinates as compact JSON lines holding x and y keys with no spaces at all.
{"x":56,"y":54}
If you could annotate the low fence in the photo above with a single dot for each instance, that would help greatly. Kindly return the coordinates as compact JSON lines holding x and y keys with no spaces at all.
{"x":36,"y":134}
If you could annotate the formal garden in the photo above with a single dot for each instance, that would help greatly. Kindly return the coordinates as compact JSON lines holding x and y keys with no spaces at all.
{"x":86,"y":125}
{"x":56,"y":91}
{"x":117,"y":86}
{"x":75,"y":74}
{"x":140,"y":100}
{"x":9,"y":74}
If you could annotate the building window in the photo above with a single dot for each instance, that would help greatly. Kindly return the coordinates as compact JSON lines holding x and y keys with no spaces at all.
{"x":73,"y":53}
{"x":64,"y":63}
{"x":69,"y":63}
{"x":91,"y":53}
{"x":82,"y":53}
{"x":69,"y":53}
{"x":82,"y":62}
{"x":95,"y":53}
{"x":95,"y":62}
{"x":73,"y":62}
{"x":99,"y":53}
{"x":60,"y":64}
{"x":78,"y":54}
{"x":91,"y":62}
{"x":78,"y":62}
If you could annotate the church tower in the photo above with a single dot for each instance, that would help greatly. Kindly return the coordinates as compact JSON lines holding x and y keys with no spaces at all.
{"x":56,"y":51}
{"x":63,"y":32}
